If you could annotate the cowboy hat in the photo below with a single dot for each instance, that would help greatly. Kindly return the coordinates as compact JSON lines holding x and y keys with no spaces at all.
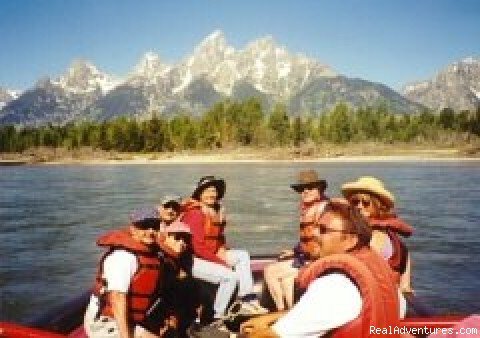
{"x":308,"y":178}
{"x":209,"y":181}
{"x":372,"y":185}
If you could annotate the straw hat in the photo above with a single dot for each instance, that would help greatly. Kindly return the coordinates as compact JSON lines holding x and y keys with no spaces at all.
{"x":308,"y":178}
{"x":372,"y":185}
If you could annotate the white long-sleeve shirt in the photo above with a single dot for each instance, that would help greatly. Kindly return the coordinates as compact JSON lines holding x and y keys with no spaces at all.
{"x":330,"y":301}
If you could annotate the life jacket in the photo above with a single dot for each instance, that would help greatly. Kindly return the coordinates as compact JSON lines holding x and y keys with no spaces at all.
{"x":213,"y":224}
{"x":375,"y":281}
{"x":394,"y":227}
{"x":145,"y":284}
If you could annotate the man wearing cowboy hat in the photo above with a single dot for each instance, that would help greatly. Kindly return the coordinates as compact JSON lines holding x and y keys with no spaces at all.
{"x":213,"y":261}
{"x":280,"y":276}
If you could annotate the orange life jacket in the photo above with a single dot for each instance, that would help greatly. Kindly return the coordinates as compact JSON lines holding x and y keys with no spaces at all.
{"x":213,"y":225}
{"x":394,"y":227}
{"x":145,"y":284}
{"x":375,"y":281}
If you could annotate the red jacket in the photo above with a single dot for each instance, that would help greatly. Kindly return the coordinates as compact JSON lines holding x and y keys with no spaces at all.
{"x":375,"y":281}
{"x":145,"y":284}
{"x":207,"y":231}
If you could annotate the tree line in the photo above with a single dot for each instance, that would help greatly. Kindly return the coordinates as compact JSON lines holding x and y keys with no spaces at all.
{"x":245,"y":123}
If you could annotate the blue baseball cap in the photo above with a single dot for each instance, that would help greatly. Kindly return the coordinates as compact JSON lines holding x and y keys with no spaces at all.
{"x":145,"y":214}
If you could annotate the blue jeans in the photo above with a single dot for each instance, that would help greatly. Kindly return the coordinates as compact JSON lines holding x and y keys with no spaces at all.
{"x":227,"y":279}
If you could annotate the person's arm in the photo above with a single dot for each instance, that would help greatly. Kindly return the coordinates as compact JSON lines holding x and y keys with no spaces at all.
{"x":406,"y":277}
{"x":118,"y":269}
{"x":330,"y":301}
{"x":195,"y":219}
{"x":118,"y":301}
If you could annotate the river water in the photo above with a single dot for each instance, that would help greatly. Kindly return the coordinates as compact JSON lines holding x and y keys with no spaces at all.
{"x":51,"y":215}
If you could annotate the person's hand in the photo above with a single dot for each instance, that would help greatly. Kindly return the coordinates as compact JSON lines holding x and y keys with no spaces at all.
{"x":222,"y":254}
{"x":286,"y":254}
{"x":407,"y":289}
{"x":258,"y":323}
{"x":181,"y":274}
{"x":174,"y":245}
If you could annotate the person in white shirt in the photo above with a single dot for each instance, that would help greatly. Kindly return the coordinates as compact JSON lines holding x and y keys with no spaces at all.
{"x":344,"y":268}
{"x":129,"y":278}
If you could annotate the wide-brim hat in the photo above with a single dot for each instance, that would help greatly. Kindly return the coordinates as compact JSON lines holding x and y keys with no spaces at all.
{"x":209,"y":181}
{"x":308,"y":178}
{"x":372,"y":185}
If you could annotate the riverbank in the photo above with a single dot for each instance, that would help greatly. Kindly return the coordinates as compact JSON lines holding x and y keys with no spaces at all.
{"x":365,"y":152}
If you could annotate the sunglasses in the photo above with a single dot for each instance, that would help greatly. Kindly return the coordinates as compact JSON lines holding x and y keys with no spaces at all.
{"x":147,"y":224}
{"x":356,"y":201}
{"x":322,"y":230}
{"x":307,"y":187}
{"x":181,"y":236}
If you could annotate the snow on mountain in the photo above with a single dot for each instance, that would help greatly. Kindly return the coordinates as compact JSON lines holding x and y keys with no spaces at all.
{"x":456,"y":86}
{"x":83,"y":77}
{"x":149,"y":69}
{"x":214,"y":70}
{"x":7,"y":95}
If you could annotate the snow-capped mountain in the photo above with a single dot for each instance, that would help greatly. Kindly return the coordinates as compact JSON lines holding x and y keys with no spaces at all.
{"x":7,"y":95}
{"x":60,"y":100}
{"x":457,"y":86}
{"x":83,"y":77}
{"x":213,"y":71}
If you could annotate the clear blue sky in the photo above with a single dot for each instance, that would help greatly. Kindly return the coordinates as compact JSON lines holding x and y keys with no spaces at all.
{"x":392,"y":42}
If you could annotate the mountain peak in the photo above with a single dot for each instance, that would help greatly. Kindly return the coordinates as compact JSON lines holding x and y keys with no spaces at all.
{"x":150,"y":65}
{"x":470,"y":60}
{"x":456,"y":86}
{"x":84,"y":77}
{"x":215,"y":35}
{"x":7,"y":95}
{"x":215,"y":43}
{"x":264,"y":43}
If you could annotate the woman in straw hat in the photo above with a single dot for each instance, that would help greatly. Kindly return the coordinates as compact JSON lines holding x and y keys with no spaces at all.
{"x":280,"y":276}
{"x":376,"y":203}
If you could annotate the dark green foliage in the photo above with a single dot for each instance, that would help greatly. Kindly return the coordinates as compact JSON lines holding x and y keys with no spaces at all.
{"x":279,"y":124}
{"x":231,"y":123}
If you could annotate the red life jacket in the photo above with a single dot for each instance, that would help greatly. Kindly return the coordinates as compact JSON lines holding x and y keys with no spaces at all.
{"x":213,"y":224}
{"x":394,"y":227}
{"x":375,"y":281}
{"x":145,"y":284}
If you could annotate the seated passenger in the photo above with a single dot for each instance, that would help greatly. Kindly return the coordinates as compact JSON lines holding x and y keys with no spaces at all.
{"x":214,"y":262}
{"x":280,"y":276}
{"x":376,"y":204}
{"x":181,"y":298}
{"x":130,"y":278}
{"x":349,"y":287}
